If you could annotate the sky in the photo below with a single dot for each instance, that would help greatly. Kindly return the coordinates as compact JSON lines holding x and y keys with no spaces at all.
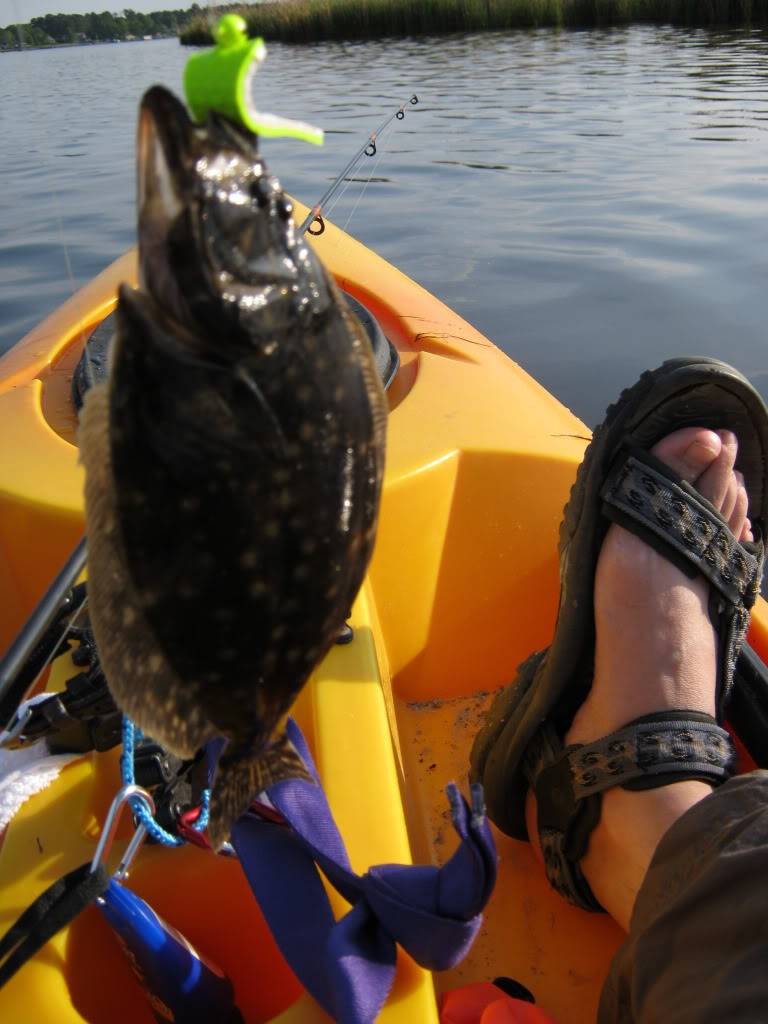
{"x":12,"y":11}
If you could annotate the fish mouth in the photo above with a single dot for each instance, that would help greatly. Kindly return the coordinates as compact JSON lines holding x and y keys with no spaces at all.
{"x":215,"y":228}
{"x":169,"y":148}
{"x":164,"y":151}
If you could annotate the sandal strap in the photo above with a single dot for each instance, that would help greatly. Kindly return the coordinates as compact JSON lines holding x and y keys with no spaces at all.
{"x":641,"y":490}
{"x":646,"y":749}
{"x":651,"y":751}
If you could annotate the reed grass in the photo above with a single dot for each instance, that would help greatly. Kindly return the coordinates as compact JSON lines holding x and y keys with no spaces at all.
{"x":304,"y":21}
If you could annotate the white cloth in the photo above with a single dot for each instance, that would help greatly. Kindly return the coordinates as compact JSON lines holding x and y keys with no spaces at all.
{"x":24,"y":772}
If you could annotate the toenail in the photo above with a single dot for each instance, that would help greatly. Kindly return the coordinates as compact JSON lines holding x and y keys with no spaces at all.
{"x":728,"y":438}
{"x":708,"y":442}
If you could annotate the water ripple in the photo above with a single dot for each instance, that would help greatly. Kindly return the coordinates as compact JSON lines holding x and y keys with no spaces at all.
{"x":625,"y":218}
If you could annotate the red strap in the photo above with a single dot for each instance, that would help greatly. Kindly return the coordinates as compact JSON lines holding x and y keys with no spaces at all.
{"x":186,"y":821}
{"x":186,"y":831}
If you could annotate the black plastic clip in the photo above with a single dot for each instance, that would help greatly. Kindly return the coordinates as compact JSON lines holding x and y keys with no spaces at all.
{"x":182,"y":791}
{"x":154,"y":766}
{"x":81,"y":718}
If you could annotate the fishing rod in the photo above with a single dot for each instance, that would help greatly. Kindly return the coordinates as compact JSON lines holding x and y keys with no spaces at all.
{"x":368,"y":148}
{"x":23,"y":647}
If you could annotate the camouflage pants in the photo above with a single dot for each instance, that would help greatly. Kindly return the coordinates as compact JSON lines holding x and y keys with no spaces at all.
{"x":697,"y":949}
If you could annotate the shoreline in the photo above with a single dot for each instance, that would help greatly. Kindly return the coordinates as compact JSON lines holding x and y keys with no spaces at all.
{"x":309,"y":21}
{"x":80,"y":45}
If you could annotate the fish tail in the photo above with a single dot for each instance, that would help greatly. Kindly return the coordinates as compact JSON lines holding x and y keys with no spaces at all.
{"x":241,"y":775}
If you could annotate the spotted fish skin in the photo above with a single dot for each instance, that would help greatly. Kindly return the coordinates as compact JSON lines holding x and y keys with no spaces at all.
{"x":233,"y":459}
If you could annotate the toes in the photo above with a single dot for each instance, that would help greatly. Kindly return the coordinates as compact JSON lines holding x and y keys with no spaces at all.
{"x":746,"y":530}
{"x":737,"y":517}
{"x":730,"y":497}
{"x":715,"y":482}
{"x":691,"y":452}
{"x":706,"y":458}
{"x":738,"y":522}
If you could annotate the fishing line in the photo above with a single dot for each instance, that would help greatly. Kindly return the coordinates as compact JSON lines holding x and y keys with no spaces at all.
{"x":368,"y":148}
{"x":64,"y":633}
{"x":45,"y":149}
{"x":348,"y":181}
{"x":47,"y":153}
{"x":362,"y":191}
{"x":336,"y":200}
{"x":63,"y":241}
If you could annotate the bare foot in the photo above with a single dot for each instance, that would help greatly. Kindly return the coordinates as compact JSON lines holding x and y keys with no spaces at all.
{"x":655,"y":650}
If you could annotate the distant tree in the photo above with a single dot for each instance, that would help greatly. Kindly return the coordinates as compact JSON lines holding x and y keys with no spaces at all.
{"x":133,"y":23}
{"x":104,"y":26}
{"x":67,"y":28}
{"x":35,"y":36}
{"x":60,"y":27}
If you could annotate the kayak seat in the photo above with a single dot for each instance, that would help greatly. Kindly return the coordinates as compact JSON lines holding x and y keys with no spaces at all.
{"x":94,"y":361}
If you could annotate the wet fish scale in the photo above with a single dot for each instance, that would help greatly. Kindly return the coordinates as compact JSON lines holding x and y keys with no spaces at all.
{"x":232,"y":506}
{"x":212,"y":474}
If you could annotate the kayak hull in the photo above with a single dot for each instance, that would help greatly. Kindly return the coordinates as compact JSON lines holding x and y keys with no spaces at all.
{"x":462,"y":587}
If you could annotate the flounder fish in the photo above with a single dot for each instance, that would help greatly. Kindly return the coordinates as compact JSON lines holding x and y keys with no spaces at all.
{"x":233,"y":459}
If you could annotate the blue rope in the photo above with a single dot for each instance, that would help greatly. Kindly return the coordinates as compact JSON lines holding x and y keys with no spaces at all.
{"x":205,"y":812}
{"x":130,"y":736}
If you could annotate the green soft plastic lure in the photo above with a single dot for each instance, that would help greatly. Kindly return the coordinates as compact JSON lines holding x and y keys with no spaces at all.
{"x":219,"y":79}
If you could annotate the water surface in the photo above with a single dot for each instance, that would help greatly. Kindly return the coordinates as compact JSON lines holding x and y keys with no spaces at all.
{"x":592,"y":201}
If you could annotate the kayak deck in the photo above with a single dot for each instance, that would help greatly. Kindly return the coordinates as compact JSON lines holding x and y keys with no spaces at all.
{"x":463,"y":585}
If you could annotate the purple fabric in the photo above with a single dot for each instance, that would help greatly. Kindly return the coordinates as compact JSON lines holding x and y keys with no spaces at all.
{"x":349,"y":965}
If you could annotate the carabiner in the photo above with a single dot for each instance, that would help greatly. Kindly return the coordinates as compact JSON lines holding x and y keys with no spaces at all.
{"x":111,"y":822}
{"x":13,"y":736}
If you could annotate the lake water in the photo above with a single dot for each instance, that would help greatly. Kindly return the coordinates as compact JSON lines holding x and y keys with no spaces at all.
{"x":592,"y":201}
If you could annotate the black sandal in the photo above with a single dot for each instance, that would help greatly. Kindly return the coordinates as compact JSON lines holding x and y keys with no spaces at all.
{"x":620,"y":481}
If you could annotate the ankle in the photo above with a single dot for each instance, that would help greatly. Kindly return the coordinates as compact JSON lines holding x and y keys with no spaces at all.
{"x":632,"y":825}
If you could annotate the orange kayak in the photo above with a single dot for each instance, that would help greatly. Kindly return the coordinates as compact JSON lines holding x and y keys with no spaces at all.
{"x":463,"y":585}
